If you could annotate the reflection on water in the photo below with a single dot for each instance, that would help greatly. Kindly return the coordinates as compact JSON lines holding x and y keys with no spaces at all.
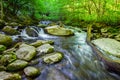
{"x":79,"y":61}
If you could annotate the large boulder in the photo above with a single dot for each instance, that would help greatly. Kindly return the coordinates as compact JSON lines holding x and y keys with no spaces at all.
{"x":46,"y":48}
{"x":41,"y":42}
{"x":53,"y":57}
{"x":17,"y":65}
{"x":26,"y":52}
{"x":9,"y":30}
{"x":2,"y":48}
{"x":58,"y":31}
{"x":9,"y":76}
{"x":31,"y":71}
{"x":5,"y":40}
{"x":110,"y":46}
{"x":31,"y":32}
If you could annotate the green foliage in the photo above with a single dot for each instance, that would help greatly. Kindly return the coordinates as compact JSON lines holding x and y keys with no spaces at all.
{"x":69,"y":11}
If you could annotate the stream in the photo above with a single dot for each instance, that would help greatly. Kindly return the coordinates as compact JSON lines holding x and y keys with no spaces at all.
{"x":79,"y":63}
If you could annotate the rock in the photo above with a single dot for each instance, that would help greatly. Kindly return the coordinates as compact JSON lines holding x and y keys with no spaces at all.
{"x":31,"y":71}
{"x":7,"y":58}
{"x":9,"y":30}
{"x":26,"y":52}
{"x":58,"y":31}
{"x":31,"y":32}
{"x":2,"y":48}
{"x":41,"y":42}
{"x":17,"y":65}
{"x":53,"y":57}
{"x":9,"y":51}
{"x":55,"y":74}
{"x":5,"y":40}
{"x":9,"y":76}
{"x":2,"y":68}
{"x":104,"y":30}
{"x":117,"y":37}
{"x":46,"y":48}
{"x":42,"y":25}
{"x":13,"y":24}
{"x":34,"y":61}
{"x":110,"y":46}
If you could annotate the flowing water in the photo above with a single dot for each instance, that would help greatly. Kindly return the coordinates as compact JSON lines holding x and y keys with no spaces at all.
{"x":79,"y":63}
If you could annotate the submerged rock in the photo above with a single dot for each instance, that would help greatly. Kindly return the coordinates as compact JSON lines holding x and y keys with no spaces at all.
{"x":58,"y":31}
{"x":110,"y":46}
{"x":53,"y":57}
{"x":17,"y":65}
{"x":5,"y":40}
{"x":2,"y":48}
{"x":31,"y":71}
{"x":9,"y":30}
{"x":41,"y":42}
{"x":55,"y":74}
{"x":7,"y":58}
{"x":46,"y":48}
{"x":26,"y":52}
{"x":9,"y":76}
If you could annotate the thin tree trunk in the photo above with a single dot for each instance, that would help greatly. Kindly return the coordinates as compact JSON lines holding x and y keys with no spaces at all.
{"x":89,"y":35}
{"x":2,"y":14}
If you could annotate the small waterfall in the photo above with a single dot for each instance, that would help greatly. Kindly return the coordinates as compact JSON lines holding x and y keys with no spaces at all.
{"x":25,"y":36}
{"x":45,"y":22}
{"x":34,"y":33}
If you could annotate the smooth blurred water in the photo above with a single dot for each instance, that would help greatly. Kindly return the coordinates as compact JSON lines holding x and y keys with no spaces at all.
{"x":79,"y":63}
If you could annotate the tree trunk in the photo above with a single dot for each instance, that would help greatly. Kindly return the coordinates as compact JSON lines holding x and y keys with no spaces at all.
{"x":2,"y":14}
{"x":89,"y":35}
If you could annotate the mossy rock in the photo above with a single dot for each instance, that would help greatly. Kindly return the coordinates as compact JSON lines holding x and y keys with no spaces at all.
{"x":53,"y":57}
{"x":5,"y":40}
{"x":30,"y":32}
{"x":41,"y":42}
{"x":2,"y":48}
{"x":46,"y":48}
{"x":7,"y":58}
{"x":26,"y":52}
{"x":59,"y":31}
{"x":31,"y":71}
{"x":17,"y":65}
{"x":41,"y":25}
{"x":9,"y":30}
{"x":9,"y":76}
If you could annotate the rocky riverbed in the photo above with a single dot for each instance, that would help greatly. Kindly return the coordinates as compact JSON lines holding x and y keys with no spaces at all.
{"x":32,"y":53}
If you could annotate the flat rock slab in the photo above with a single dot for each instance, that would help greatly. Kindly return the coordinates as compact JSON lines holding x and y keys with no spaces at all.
{"x":108,"y":45}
